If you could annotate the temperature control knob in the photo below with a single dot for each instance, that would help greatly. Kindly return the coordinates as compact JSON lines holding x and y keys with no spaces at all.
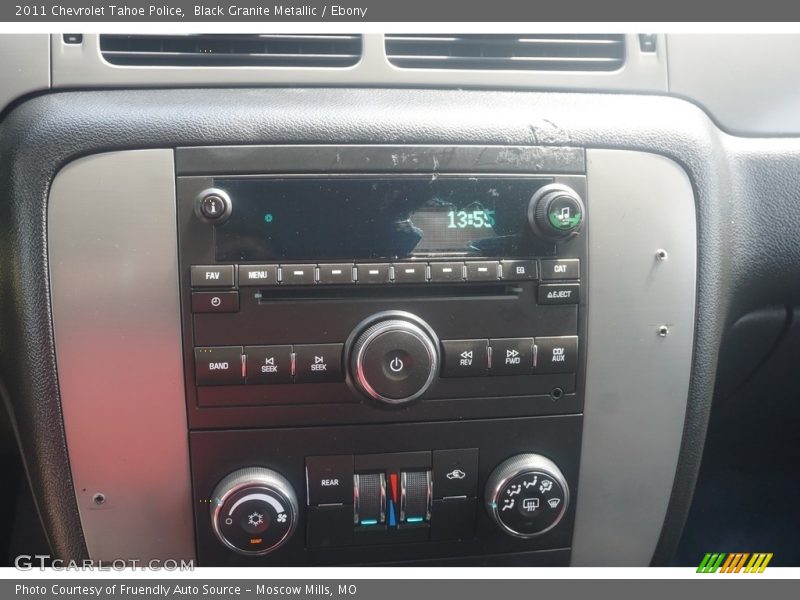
{"x":394,"y":357}
{"x":556,"y":212}
{"x":254,"y":511}
{"x":527,"y":495}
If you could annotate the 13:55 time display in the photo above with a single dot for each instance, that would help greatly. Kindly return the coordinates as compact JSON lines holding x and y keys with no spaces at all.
{"x":473,"y":219}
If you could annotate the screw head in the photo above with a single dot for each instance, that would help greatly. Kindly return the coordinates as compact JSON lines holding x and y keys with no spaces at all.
{"x":663,"y":330}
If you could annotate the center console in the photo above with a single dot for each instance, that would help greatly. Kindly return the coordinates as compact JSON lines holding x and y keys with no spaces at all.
{"x":384,"y":351}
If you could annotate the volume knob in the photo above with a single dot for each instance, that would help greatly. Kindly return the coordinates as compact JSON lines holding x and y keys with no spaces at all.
{"x":556,"y":212}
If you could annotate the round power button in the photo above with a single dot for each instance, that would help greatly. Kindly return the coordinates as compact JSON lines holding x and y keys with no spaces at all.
{"x":394,"y":360}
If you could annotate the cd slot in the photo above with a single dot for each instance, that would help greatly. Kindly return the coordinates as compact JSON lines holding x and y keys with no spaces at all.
{"x":455,"y":291}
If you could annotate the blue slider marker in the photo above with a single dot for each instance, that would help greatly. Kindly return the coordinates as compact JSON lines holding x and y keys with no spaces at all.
{"x":369,"y":522}
{"x":392,"y":517}
{"x":414,"y":519}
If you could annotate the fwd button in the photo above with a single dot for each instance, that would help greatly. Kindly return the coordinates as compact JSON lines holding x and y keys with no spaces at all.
{"x":512,"y":356}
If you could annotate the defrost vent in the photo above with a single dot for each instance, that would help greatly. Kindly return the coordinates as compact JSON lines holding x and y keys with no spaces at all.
{"x":245,"y":50}
{"x":506,"y":52}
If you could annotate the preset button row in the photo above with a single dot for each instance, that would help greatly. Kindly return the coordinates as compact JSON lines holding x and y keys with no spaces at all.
{"x":224,"y":276}
{"x":235,"y":365}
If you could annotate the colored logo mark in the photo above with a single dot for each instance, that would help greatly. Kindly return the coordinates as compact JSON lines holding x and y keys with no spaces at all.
{"x":734,"y":562}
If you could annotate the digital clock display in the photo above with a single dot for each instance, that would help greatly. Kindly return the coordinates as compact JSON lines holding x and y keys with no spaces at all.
{"x":478,"y":219}
{"x":389,"y":217}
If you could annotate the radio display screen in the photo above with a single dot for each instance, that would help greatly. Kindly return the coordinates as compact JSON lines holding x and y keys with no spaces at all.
{"x":358,"y":218}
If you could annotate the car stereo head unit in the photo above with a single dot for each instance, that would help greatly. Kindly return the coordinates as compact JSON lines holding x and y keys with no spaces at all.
{"x":383,"y":329}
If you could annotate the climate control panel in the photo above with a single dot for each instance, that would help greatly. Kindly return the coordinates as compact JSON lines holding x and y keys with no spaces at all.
{"x":478,"y":487}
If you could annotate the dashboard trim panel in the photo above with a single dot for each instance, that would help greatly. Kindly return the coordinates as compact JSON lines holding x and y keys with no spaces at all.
{"x":116,"y":318}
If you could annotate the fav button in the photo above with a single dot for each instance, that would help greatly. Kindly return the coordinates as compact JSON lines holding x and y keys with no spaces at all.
{"x":330,"y":480}
{"x":269,"y":364}
{"x":317,"y":363}
{"x":212,"y":276}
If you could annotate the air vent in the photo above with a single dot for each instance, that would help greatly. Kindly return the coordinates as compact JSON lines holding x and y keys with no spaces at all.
{"x":546,"y":52}
{"x":289,"y":50}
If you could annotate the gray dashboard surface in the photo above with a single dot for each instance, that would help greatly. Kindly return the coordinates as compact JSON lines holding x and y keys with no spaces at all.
{"x":749,"y":83}
{"x":45,"y":133}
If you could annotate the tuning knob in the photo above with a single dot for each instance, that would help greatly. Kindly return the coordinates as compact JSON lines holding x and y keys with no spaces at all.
{"x":254,"y":511}
{"x":556,"y":212}
{"x":527,"y":495}
{"x":393,"y":358}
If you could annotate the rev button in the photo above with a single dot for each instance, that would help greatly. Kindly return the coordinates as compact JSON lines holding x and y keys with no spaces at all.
{"x":465,"y":358}
{"x":330,"y":480}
